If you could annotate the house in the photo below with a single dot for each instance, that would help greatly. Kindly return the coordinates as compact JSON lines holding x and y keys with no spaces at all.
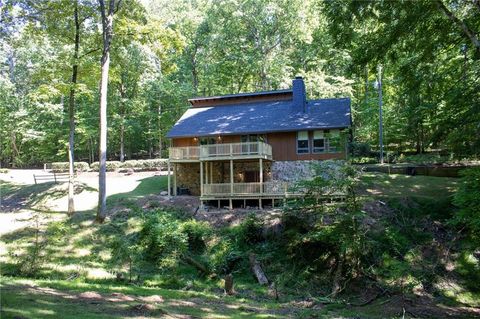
{"x":237,"y":148}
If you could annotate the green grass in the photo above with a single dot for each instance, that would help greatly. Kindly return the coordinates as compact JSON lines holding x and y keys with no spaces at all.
{"x":148,"y":186}
{"x":53,"y":299}
{"x":379,"y":185}
{"x":78,"y":249}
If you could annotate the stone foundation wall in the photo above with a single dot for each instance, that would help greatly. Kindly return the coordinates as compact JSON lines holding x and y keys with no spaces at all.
{"x":188,"y":175}
{"x":294,"y":171}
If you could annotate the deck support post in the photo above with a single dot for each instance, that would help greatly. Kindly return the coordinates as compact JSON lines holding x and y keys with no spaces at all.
{"x":201,"y":179}
{"x":218,"y":204}
{"x":174,"y":179}
{"x":169,"y":183}
{"x":244,"y":203}
{"x":261,"y":182}
{"x":206,"y":172}
{"x":211,"y":173}
{"x":231,"y":183}
{"x":273,"y":202}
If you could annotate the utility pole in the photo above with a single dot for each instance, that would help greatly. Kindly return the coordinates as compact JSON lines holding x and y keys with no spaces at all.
{"x":380,"y":124}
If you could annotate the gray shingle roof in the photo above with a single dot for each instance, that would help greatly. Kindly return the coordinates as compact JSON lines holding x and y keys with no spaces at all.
{"x":262,"y":117}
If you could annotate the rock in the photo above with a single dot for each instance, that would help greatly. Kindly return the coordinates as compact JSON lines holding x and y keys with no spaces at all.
{"x":163,"y":193}
{"x":130,"y":171}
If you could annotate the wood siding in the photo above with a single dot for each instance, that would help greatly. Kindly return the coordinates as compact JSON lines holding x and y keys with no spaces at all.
{"x":242,"y":100}
{"x":284,"y":146}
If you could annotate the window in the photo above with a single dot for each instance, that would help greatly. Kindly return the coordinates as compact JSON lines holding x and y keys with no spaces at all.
{"x":207,"y":141}
{"x":253,"y":138}
{"x":318,"y":142}
{"x":302,"y":142}
{"x":334,"y":141}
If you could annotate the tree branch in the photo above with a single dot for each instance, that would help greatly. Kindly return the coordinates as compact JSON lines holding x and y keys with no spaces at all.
{"x":461,"y":24}
{"x":89,"y":52}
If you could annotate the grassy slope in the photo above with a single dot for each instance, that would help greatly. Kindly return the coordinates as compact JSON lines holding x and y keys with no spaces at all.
{"x":392,"y":186}
{"x":80,"y":252}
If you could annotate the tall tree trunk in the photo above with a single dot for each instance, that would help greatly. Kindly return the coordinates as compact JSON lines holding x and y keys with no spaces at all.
{"x":194,"y":70}
{"x":160,"y":142}
{"x":122,"y":123}
{"x":122,"y":140}
{"x":71,"y":115}
{"x":107,"y":34}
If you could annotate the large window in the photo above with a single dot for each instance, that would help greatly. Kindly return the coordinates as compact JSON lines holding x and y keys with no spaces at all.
{"x":207,"y":141}
{"x":319,"y":145}
{"x":302,"y":142}
{"x":253,"y":138}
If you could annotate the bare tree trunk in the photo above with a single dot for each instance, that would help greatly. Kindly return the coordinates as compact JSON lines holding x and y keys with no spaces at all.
{"x":122,"y":123}
{"x":107,"y":34}
{"x":229,"y":285}
{"x":160,"y":142}
{"x":194,"y":69}
{"x":122,"y":141}
{"x":71,"y":115}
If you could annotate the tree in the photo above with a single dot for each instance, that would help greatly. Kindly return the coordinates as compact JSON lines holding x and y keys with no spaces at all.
{"x":107,"y":13}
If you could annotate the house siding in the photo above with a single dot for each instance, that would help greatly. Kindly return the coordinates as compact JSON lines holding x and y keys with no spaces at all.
{"x":284,"y":146}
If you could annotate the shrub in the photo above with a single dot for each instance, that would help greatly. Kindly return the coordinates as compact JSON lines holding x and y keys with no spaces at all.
{"x":467,"y":199}
{"x":60,"y":167}
{"x":3,"y":170}
{"x":364,"y":160}
{"x":111,"y":166}
{"x":197,"y":235}
{"x":138,"y":165}
{"x":358,"y":149}
{"x":162,"y":240}
{"x":250,"y":230}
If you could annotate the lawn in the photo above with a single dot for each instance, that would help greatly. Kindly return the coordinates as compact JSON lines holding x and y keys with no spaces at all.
{"x":380,"y":185}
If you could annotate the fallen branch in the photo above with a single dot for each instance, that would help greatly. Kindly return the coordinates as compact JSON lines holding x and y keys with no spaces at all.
{"x":199,"y":266}
{"x":257,"y":270}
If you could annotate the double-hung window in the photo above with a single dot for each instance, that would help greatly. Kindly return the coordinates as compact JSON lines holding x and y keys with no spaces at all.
{"x":319,"y":145}
{"x":302,"y":142}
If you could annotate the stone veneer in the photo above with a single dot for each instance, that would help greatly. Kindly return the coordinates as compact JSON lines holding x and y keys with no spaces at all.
{"x":294,"y":171}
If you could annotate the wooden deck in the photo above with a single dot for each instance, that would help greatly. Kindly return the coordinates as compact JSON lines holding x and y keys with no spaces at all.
{"x":227,"y":151}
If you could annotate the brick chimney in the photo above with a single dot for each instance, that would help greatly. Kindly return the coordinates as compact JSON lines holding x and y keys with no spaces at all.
{"x":299,"y":94}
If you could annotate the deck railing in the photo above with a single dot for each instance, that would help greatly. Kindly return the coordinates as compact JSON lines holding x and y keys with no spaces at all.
{"x":184,"y":153}
{"x":228,"y":150}
{"x":269,"y":188}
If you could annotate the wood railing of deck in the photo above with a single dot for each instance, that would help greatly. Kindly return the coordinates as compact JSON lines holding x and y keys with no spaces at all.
{"x":184,"y":153}
{"x":228,"y":150}
{"x":269,"y":188}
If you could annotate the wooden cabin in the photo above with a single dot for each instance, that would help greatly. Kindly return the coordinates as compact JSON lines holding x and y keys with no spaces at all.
{"x":224,"y":148}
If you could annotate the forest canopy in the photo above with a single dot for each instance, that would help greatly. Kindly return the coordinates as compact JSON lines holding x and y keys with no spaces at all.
{"x":165,"y":52}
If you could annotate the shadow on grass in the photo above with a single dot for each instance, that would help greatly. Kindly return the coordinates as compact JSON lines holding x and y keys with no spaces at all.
{"x":148,"y":186}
